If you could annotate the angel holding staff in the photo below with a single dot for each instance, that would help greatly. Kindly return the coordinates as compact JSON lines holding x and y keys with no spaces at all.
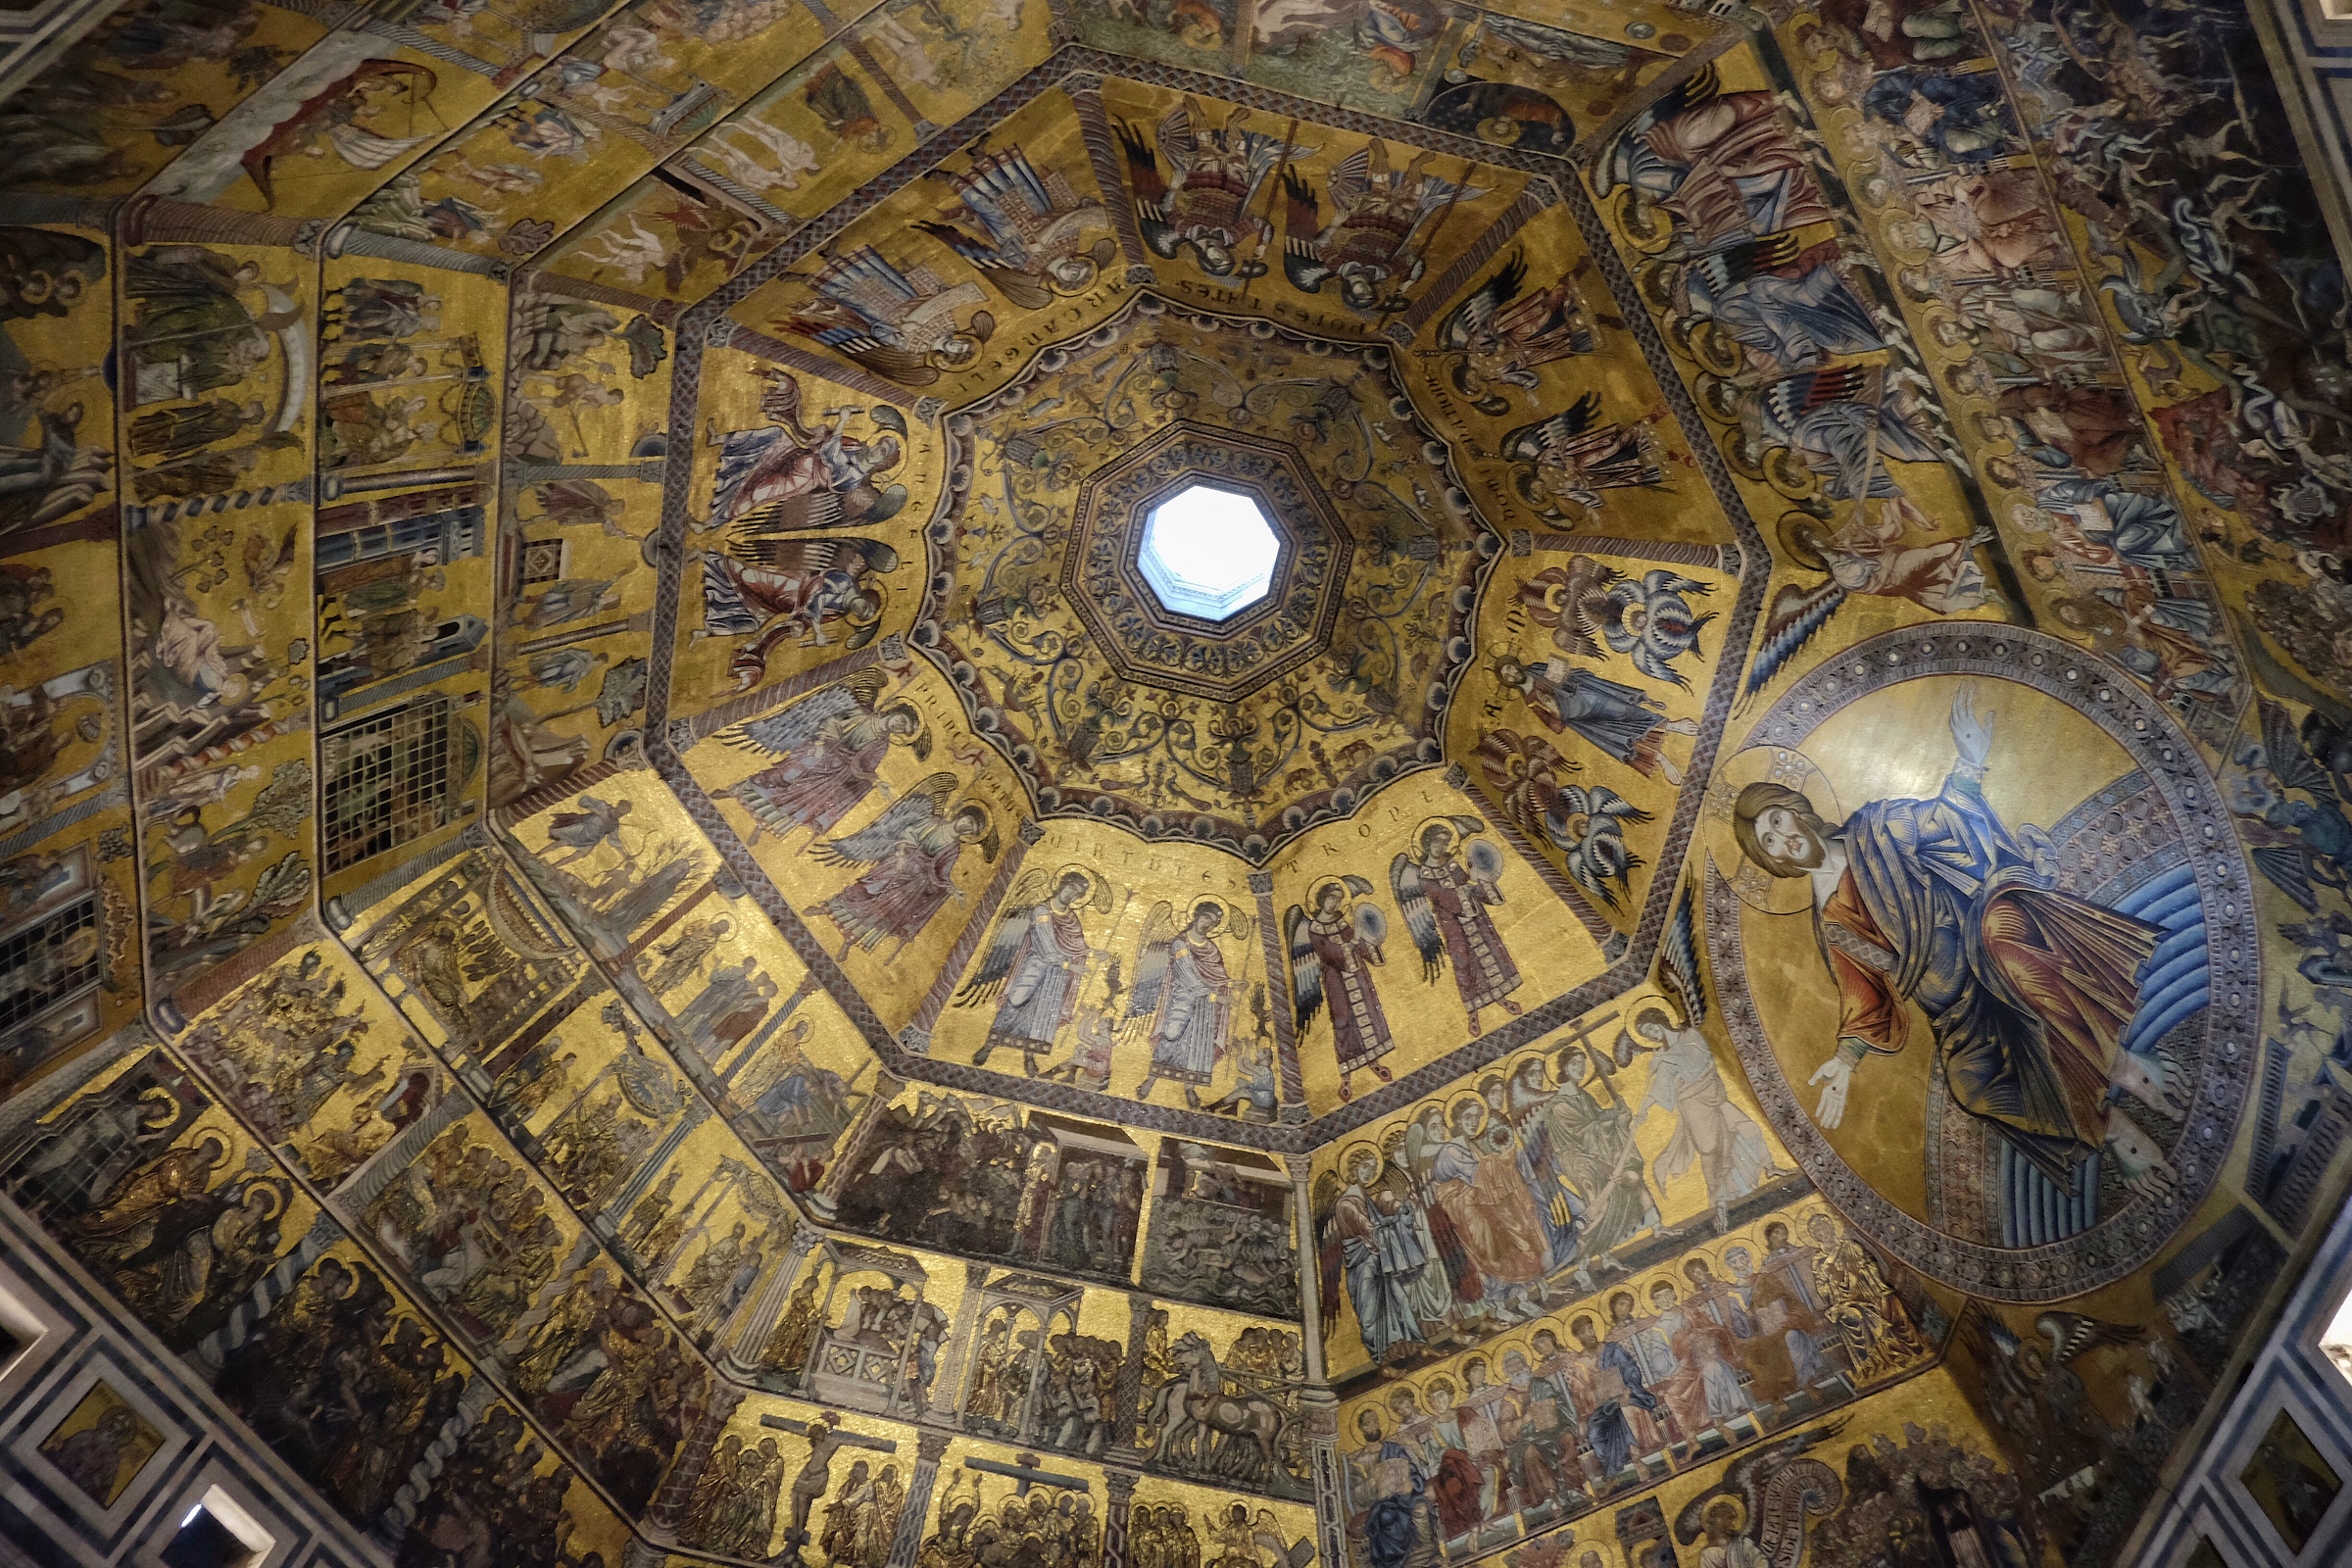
{"x":1035,"y":965}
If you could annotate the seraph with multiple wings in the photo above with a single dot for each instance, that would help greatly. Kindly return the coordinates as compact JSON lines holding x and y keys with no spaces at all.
{"x":1203,"y":201}
{"x":1587,"y":606}
{"x":898,"y":322}
{"x":1584,"y":823}
{"x":1032,"y":244}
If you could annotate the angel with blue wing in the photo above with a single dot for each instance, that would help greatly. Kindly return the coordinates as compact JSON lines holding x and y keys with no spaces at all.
{"x":1333,"y":952}
{"x":828,"y":749}
{"x":1032,"y":244}
{"x":1185,"y":990}
{"x":1036,"y":962}
{"x":1445,"y":903}
{"x":909,"y":857}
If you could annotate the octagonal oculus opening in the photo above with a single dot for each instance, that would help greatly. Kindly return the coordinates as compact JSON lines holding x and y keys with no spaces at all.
{"x":1209,"y":553}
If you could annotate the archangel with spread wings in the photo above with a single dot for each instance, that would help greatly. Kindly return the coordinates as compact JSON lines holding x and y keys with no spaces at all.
{"x":909,"y":857}
{"x":1499,"y":336}
{"x":1377,"y":238}
{"x":897,"y":321}
{"x":1184,"y":993}
{"x":1036,"y":965}
{"x":1033,"y":241}
{"x":1334,"y":949}
{"x":828,"y":749}
{"x":773,"y":589}
{"x":1575,"y":454}
{"x":1207,"y":206}
{"x":1445,"y":903}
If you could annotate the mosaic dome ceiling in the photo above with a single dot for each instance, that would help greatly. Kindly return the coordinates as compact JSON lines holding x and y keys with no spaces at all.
{"x":623,"y":763}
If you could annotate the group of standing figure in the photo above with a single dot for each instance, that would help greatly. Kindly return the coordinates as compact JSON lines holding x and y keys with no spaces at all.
{"x":1546,"y":1430}
{"x":1467,"y":1213}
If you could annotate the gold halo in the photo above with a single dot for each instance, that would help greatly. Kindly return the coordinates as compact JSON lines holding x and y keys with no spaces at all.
{"x":1737,"y":1506}
{"x":1098,"y":889}
{"x":1715,"y":349}
{"x":1786,"y":532}
{"x":1348,"y":1154}
{"x":1454,"y":834}
{"x":1642,"y":224}
{"x":1789,"y":473}
{"x":1755,"y":888}
{"x":1485,"y":1112}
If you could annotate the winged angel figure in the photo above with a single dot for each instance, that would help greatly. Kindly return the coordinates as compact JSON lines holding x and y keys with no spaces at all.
{"x":773,"y":589}
{"x":1218,"y":173}
{"x":1499,"y":336}
{"x":908,"y":857}
{"x":1380,"y":216}
{"x":1836,"y":428}
{"x":1570,"y":457}
{"x":828,"y":749}
{"x":1184,"y":993}
{"x":898,"y":322}
{"x":1032,"y":245}
{"x":1334,"y":951}
{"x":2298,"y":844}
{"x":1584,"y":823}
{"x":1445,"y":887}
{"x":1036,"y":963}
{"x":1756,"y":1515}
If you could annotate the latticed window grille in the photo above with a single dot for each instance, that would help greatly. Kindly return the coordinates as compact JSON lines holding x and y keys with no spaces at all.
{"x":47,"y":961}
{"x":387,"y":780}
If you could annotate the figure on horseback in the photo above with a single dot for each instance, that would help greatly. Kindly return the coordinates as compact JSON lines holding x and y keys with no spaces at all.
{"x":1230,"y":1435}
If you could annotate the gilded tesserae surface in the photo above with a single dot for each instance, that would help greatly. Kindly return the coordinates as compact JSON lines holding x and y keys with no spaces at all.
{"x":627,"y":924}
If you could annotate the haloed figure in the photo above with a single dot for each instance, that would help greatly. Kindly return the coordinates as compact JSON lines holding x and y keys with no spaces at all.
{"x":1184,"y":973}
{"x":2027,"y":990}
{"x":1333,"y":952}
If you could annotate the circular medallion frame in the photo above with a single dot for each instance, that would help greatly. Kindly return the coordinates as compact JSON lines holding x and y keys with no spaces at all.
{"x":2123,"y":1238}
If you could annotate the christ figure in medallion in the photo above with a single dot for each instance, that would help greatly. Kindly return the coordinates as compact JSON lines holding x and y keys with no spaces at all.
{"x":2029,"y":991}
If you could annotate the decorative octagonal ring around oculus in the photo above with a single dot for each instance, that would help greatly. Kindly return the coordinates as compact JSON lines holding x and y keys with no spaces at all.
{"x":1152,"y":644}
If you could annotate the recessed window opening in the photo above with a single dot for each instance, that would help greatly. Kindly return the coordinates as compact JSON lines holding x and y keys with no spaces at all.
{"x":1208,"y":552}
{"x":215,"y":1532}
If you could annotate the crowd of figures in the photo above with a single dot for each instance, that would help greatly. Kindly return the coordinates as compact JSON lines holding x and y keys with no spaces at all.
{"x":985,"y":1183}
{"x":1029,"y":1376}
{"x":1045,"y":1528}
{"x":1671,"y":1366}
{"x":1488,"y":1208}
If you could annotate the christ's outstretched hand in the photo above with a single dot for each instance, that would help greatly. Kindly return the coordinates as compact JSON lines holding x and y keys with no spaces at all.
{"x":1972,"y":735}
{"x":1834,"y":1076}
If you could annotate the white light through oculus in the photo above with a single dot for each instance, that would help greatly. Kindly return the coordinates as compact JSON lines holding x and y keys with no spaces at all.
{"x":1209,"y":553}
